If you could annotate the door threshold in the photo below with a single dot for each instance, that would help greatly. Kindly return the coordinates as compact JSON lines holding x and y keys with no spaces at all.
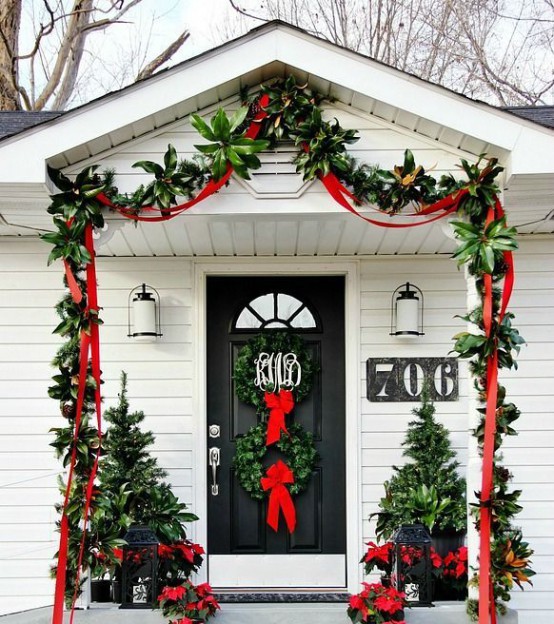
{"x":244,"y":595}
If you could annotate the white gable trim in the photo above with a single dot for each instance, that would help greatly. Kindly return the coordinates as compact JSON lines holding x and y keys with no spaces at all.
{"x":530,"y":145}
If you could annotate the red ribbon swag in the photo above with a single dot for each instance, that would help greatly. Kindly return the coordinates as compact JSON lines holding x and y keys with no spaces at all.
{"x":279,"y":404}
{"x":278,"y":475}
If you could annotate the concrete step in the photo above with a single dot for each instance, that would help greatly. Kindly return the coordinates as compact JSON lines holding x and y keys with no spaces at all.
{"x":268,"y":613}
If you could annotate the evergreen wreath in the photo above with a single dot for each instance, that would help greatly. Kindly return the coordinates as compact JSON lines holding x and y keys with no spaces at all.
{"x":300,"y":453}
{"x":244,"y":372}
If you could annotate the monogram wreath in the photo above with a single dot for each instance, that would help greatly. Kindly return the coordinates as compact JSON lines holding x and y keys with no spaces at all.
{"x":245,"y":374}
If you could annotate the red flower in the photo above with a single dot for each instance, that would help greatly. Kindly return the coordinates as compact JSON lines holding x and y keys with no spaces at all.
{"x":209,"y":602}
{"x":197,"y":549}
{"x":183,"y":620}
{"x":165,"y":551}
{"x":435,"y":558}
{"x":172,"y":593}
{"x":356,"y":602}
{"x":118,"y":553}
{"x":387,"y":603}
{"x":186,"y":551}
{"x":204,"y":589}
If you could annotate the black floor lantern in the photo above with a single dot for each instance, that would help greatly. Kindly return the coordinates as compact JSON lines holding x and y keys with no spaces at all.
{"x":412,"y":565}
{"x":139,"y":576}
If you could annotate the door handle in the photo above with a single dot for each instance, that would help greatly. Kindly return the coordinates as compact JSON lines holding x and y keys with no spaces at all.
{"x":213,"y":462}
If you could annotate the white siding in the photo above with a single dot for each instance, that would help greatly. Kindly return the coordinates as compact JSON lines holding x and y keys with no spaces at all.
{"x":384,"y":424}
{"x":159,"y":384}
{"x":530,"y":455}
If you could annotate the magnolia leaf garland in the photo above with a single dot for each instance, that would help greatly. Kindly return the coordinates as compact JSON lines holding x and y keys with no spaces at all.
{"x":288,"y":105}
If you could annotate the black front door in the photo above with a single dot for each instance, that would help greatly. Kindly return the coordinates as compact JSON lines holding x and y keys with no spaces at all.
{"x":239,"y":308}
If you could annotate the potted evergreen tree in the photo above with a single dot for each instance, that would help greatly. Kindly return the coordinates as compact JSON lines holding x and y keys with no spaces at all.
{"x":428,"y":489}
{"x":131,"y":478}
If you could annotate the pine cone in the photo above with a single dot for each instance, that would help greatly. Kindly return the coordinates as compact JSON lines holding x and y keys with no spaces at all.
{"x":68,"y":410}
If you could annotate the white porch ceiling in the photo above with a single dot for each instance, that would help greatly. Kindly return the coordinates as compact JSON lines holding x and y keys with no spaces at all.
{"x":249,"y":235}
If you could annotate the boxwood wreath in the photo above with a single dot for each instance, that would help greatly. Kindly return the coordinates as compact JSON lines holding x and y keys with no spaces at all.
{"x":283,"y":109}
{"x":244,"y":371}
{"x":298,"y":449}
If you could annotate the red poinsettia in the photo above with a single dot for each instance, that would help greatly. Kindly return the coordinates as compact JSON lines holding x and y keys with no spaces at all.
{"x":379,"y":557}
{"x":188,"y":601}
{"x":179,"y":560}
{"x":455,"y":565}
{"x":172,"y":593}
{"x":377,"y":601}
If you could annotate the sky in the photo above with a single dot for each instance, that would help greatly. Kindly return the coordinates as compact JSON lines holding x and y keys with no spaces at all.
{"x":147,"y":30}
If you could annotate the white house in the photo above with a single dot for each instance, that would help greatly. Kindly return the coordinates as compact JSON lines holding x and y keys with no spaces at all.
{"x":279,"y":236}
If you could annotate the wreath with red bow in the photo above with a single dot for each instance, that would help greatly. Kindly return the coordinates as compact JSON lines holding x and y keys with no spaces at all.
{"x":281,"y":480}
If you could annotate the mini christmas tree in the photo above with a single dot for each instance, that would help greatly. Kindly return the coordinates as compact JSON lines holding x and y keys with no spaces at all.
{"x":428,"y":489}
{"x":128,"y":466}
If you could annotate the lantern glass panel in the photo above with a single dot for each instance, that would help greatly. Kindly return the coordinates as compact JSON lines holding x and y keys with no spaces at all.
{"x":412,"y":565}
{"x":140,"y":569}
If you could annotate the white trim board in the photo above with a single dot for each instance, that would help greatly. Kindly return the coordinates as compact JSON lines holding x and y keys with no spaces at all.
{"x":293,"y":267}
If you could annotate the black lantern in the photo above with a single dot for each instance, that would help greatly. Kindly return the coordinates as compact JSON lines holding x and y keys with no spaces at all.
{"x":139,"y":577}
{"x":143,"y":314}
{"x":407,"y":311}
{"x":412,"y":565}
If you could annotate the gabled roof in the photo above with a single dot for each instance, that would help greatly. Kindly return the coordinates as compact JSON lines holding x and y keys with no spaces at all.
{"x":543,"y":115}
{"x":13,"y":122}
{"x":358,"y":83}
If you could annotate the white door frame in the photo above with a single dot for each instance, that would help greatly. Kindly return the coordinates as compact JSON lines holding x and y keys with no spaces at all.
{"x":293,"y":267}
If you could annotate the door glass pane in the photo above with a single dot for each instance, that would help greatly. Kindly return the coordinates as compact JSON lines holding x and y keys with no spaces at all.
{"x":247,"y":320}
{"x":286,"y":306}
{"x":304,"y":319}
{"x":264,"y":306}
{"x":276,"y":310}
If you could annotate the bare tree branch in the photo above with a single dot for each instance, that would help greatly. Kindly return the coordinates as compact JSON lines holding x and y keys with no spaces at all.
{"x":163,"y":57}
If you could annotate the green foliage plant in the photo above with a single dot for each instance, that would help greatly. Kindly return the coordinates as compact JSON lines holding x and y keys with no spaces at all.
{"x":73,"y":210}
{"x":228,"y":143}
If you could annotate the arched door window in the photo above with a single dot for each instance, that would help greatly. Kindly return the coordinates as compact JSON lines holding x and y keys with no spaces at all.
{"x":276,"y":310}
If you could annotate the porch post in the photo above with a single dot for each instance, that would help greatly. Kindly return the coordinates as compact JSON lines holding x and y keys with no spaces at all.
{"x":474,"y":459}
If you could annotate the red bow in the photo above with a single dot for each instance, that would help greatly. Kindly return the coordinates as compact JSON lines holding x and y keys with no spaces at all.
{"x":278,"y":405}
{"x":277,"y":475}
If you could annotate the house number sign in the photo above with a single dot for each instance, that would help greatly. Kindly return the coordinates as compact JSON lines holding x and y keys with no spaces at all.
{"x":403,"y":379}
{"x":277,"y":370}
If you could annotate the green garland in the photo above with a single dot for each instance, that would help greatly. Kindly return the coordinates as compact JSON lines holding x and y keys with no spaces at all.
{"x":244,"y":372}
{"x":293,"y":113}
{"x":298,"y":448}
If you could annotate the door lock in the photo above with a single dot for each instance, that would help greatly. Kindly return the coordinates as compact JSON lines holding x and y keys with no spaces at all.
{"x":214,"y":431}
{"x":213,"y":462}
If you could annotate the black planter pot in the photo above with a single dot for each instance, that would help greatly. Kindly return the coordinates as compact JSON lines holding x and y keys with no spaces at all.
{"x":444,"y":591}
{"x":100,"y":591}
{"x":444,"y":543}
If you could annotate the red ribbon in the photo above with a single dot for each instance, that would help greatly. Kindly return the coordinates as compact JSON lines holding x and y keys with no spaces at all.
{"x":89,"y":353}
{"x":211,"y":187}
{"x":278,"y":405}
{"x":278,"y":475}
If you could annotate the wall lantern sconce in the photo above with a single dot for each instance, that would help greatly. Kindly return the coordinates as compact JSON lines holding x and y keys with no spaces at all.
{"x":143,"y":314}
{"x":412,"y":565}
{"x":407,"y":311}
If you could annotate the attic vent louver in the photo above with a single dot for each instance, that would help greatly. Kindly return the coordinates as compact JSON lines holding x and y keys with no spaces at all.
{"x":277,"y":177}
